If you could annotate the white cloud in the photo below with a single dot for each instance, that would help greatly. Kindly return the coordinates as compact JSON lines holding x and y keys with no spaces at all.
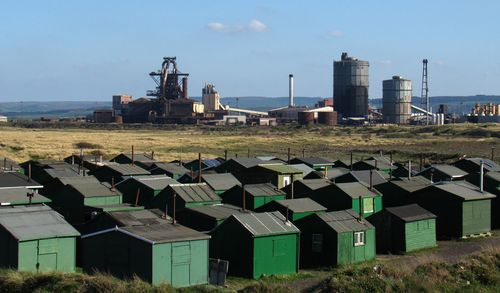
{"x":336,"y":33}
{"x":216,"y":26}
{"x":254,"y":25}
{"x":257,"y":26}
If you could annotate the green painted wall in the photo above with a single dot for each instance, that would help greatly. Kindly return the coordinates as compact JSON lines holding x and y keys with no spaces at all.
{"x":420,"y":234}
{"x":348,"y":253}
{"x":53,"y":254}
{"x":181,"y":263}
{"x":298,"y":216}
{"x":376,"y":205}
{"x":102,"y":200}
{"x":275,"y":255}
{"x":476,"y":217}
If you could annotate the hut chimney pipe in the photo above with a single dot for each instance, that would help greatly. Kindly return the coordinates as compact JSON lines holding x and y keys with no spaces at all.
{"x":287,"y":213}
{"x":137,"y":196}
{"x":152,"y":155}
{"x":481,"y":179}
{"x":290,"y":91}
{"x":174,"y":220}
{"x":361,"y":208}
{"x":29,"y":172}
{"x":371,"y":179}
{"x":390,"y":157}
{"x":132,"y":154}
{"x":244,"y":205}
{"x":376,"y":164}
{"x":199,"y":167}
{"x":421,"y":161}
{"x":225,"y":155}
{"x":409,"y":169}
{"x":113,"y":183}
{"x":4,"y":164}
{"x":288,"y":156}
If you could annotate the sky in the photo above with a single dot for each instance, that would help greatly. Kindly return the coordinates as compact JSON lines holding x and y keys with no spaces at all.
{"x":90,"y":50}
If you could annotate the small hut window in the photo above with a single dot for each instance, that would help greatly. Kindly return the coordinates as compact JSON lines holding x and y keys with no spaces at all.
{"x":317,"y":242}
{"x":368,"y":205}
{"x":359,"y":238}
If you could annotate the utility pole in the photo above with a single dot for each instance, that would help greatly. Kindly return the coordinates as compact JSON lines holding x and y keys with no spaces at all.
{"x":425,"y":91}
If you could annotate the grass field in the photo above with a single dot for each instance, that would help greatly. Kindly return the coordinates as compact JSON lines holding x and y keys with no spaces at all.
{"x":437,"y":142}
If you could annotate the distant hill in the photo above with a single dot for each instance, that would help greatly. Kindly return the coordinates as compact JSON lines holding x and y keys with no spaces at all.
{"x":456,"y":104}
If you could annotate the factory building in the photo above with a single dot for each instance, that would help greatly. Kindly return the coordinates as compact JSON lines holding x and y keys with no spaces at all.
{"x":350,"y":86}
{"x":211,"y":98}
{"x":396,"y":100}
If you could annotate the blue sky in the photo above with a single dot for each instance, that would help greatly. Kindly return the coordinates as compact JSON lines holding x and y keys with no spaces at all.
{"x":90,"y":50}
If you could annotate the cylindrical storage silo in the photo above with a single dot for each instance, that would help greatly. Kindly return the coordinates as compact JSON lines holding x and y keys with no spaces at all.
{"x":327,"y":118}
{"x":306,"y":118}
{"x":350,"y":86}
{"x":396,"y":100}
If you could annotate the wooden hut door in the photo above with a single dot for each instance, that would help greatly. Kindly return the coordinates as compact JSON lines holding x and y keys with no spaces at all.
{"x":181,"y":263}
{"x":47,"y":255}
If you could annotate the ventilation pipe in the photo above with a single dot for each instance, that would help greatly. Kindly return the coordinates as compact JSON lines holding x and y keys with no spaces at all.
{"x":132,"y":154}
{"x":371,"y":179}
{"x":29,"y":172}
{"x":292,"y":191}
{"x":290,"y":91}
{"x":199,"y":167}
{"x":174,"y":221}
{"x":409,"y":169}
{"x":481,"y":174}
{"x":113,"y":183}
{"x":137,"y":196}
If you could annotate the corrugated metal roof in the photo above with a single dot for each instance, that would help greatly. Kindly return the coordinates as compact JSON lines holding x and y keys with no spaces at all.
{"x":315,"y":184}
{"x":336,"y":172}
{"x":263,"y":224}
{"x":78,"y":180}
{"x":64,"y":172}
{"x":413,"y":184}
{"x":35,"y":222}
{"x":410,"y":213}
{"x":263,"y":189}
{"x":170,"y":167}
{"x":315,"y":161}
{"x":356,"y":189}
{"x":363,"y":176}
{"x":127,"y":169}
{"x":94,"y":189}
{"x":14,"y":179}
{"x":222,"y":181}
{"x":301,"y":205}
{"x":248,"y":162}
{"x":154,"y":182}
{"x":19,"y":195}
{"x":281,"y":169}
{"x":449,"y":170}
{"x":302,"y":167}
{"x":162,"y":233}
{"x":464,"y":190}
{"x":345,"y":221}
{"x":139,"y":217}
{"x":195,"y":192}
{"x":218,"y":211}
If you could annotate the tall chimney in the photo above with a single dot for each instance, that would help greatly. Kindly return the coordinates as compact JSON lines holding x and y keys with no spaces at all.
{"x":290,"y":90}
{"x":481,"y":174}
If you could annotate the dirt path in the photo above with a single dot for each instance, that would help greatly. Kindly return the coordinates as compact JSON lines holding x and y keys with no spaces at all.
{"x":447,"y":251}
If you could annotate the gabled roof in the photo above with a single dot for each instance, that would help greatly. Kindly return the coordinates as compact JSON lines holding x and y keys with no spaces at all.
{"x":356,"y":189}
{"x":464,"y":190}
{"x":345,"y":221}
{"x":217,"y":211}
{"x":264,"y":224}
{"x":14,"y":179}
{"x":19,"y":195}
{"x":379,"y":164}
{"x":488,"y":164}
{"x":138,"y":157}
{"x":314,"y":161}
{"x":263,"y":189}
{"x":303,"y":167}
{"x":336,"y":172}
{"x":301,"y":205}
{"x":209,"y":163}
{"x":363,"y":176}
{"x":220,"y":181}
{"x":410,"y":213}
{"x":341,"y":163}
{"x":170,"y":167}
{"x":493,"y":175}
{"x":139,"y":217}
{"x":155,"y":182}
{"x":281,"y":169}
{"x":126,"y":169}
{"x":413,"y":184}
{"x":195,"y":192}
{"x":315,"y":184}
{"x":448,"y":170}
{"x":156,"y":234}
{"x":247,"y":162}
{"x":64,"y":172}
{"x":78,"y":180}
{"x":35,"y":222}
{"x":94,"y":189}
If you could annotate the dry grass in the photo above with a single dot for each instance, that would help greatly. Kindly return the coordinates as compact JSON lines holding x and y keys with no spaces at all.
{"x":22,"y":143}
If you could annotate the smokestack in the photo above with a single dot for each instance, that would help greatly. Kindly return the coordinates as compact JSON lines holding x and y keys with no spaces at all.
{"x":481,"y":179}
{"x":290,"y":90}
{"x":185,"y":88}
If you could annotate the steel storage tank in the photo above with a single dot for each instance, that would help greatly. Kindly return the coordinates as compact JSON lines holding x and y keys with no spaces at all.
{"x":306,"y":118}
{"x":350,"y":86}
{"x":396,"y":100}
{"x":327,"y":118}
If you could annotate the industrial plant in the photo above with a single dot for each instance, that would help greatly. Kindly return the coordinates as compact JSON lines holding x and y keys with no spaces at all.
{"x":170,"y":103}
